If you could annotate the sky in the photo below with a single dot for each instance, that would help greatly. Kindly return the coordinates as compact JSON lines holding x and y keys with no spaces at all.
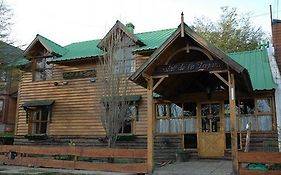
{"x":68,"y":21}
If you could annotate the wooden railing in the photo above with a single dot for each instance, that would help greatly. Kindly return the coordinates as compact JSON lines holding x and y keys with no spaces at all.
{"x":268,"y":158}
{"x":86,"y":158}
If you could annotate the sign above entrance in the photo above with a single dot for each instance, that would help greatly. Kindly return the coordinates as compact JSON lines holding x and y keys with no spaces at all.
{"x":188,"y":67}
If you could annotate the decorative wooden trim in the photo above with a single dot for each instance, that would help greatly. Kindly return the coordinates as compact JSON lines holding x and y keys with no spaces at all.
{"x":190,"y":67}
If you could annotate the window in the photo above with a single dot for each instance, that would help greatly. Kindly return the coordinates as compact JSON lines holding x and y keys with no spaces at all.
{"x":257,"y":112}
{"x":175,"y":118}
{"x":38,"y":115}
{"x":38,"y":121}
{"x":125,"y":61}
{"x":131,"y":115}
{"x":43,"y":70}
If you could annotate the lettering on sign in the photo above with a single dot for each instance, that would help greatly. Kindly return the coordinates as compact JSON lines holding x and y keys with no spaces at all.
{"x":79,"y":74}
{"x":188,"y":67}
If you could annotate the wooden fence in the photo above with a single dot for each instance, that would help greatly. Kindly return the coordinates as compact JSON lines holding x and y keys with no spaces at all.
{"x":269,"y":158}
{"x":86,"y":158}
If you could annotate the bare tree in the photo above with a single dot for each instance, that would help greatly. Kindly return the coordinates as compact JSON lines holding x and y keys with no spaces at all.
{"x":114,"y":83}
{"x":5,"y":21}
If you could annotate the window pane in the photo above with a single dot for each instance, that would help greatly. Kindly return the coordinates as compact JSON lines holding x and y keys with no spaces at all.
{"x":43,"y":69}
{"x":44,"y":114}
{"x":247,"y":106}
{"x":189,"y":109}
{"x":127,"y":127}
{"x":131,"y":112}
{"x":265,"y":123}
{"x":263,"y":105}
{"x":176,"y":125}
{"x":190,"y":125}
{"x":162,"y":126}
{"x":205,"y":110}
{"x":245,"y":119}
{"x":227,"y":107}
{"x":215,"y":109}
{"x":227,"y":123}
{"x":162,"y":110}
{"x":43,"y":128}
{"x":176,"y":110}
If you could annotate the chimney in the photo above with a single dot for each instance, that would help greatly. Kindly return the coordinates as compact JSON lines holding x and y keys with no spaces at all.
{"x":276,"y":38}
{"x":130,"y":27}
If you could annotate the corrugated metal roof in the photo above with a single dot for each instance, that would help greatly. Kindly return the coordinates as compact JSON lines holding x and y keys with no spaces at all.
{"x":257,"y":64}
{"x":52,"y":46}
{"x":152,"y":40}
{"x":80,"y":50}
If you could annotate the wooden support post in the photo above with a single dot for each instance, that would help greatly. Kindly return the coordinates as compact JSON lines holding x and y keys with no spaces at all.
{"x":234,"y":149}
{"x":150,"y":126}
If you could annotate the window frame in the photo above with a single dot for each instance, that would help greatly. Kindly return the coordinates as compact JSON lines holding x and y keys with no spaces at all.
{"x":256,"y":114}
{"x":169,"y":117}
{"x":42,"y":72}
{"x":132,"y":121}
{"x":31,"y":122}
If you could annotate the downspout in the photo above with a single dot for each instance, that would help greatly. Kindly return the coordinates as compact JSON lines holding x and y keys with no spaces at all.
{"x":277,"y":79}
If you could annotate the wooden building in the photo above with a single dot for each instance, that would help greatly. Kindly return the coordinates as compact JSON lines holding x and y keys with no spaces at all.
{"x":190,"y":79}
{"x":9,"y":77}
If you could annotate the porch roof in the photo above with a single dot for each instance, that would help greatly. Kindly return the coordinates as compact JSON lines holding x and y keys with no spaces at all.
{"x":257,"y":64}
{"x":177,"y":43}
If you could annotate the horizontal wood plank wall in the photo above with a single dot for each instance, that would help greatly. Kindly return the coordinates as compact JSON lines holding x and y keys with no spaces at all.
{"x":77,"y":107}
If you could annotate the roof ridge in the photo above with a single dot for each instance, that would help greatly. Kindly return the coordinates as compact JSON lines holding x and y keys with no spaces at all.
{"x":134,"y":34}
{"x":247,"y":51}
{"x":82,"y":42}
{"x":156,"y":31}
{"x":52,"y":42}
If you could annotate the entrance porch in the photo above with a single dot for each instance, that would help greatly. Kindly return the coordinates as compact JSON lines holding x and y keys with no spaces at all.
{"x":203,"y":97}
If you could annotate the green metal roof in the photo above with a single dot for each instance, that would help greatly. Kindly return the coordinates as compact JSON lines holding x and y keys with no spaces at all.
{"x":52,"y":46}
{"x":80,"y":50}
{"x":86,"y":49}
{"x":257,"y":64}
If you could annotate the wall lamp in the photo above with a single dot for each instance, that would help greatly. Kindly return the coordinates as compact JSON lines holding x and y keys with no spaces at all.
{"x":60,"y":83}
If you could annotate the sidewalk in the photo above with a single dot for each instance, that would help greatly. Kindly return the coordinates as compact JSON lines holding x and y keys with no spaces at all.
{"x":197,"y":167}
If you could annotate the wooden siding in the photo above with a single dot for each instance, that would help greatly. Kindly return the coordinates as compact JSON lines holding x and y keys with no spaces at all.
{"x":77,"y":106}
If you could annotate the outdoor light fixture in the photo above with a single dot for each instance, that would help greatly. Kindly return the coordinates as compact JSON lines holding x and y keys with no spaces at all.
{"x":60,"y":83}
{"x":93,"y":80}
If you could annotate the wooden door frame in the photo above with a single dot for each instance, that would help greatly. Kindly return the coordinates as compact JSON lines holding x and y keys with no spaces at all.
{"x":199,"y":122}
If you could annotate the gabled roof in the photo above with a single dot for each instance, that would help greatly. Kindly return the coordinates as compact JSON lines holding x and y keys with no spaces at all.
{"x":9,"y":54}
{"x":86,"y":49}
{"x":257,"y":64}
{"x":137,"y":76}
{"x":50,"y":46}
{"x":124,"y":29}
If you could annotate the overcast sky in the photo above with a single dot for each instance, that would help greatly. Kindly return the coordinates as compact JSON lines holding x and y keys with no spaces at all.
{"x":67,"y":21}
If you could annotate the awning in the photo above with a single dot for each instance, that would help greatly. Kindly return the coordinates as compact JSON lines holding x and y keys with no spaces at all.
{"x":38,"y":103}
